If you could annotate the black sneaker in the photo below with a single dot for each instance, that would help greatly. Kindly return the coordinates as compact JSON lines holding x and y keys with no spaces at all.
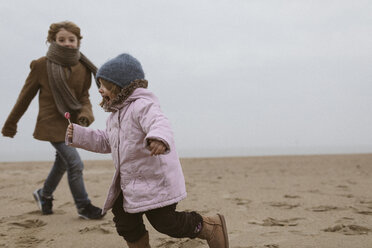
{"x":44,"y":203}
{"x":90,"y":212}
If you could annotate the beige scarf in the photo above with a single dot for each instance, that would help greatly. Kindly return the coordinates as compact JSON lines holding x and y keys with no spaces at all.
{"x":59,"y":57}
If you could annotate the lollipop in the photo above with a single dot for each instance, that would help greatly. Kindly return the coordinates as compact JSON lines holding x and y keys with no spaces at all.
{"x":67,"y":116}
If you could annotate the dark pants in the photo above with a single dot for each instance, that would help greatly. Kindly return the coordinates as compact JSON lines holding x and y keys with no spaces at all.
{"x":165,"y":220}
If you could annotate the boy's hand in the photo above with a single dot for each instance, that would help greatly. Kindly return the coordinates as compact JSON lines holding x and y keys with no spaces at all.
{"x":156,"y":147}
{"x":83,"y":121}
{"x":70,"y":131}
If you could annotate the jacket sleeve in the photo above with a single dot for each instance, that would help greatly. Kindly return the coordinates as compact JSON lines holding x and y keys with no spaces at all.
{"x":86,"y":110}
{"x":25,"y":97}
{"x":89,"y":139}
{"x":154,"y":123}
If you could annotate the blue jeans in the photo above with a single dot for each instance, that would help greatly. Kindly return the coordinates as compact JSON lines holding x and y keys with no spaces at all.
{"x":67,"y":158}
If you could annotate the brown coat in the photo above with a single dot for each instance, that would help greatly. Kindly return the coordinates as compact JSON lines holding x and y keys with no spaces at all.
{"x":50,"y":124}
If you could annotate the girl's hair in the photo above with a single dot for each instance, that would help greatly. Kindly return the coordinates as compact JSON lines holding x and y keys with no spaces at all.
{"x":69,"y":26}
{"x":113,"y":88}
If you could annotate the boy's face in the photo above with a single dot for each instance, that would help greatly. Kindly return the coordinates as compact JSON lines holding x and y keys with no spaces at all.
{"x":66,"y":39}
{"x":105,"y":93}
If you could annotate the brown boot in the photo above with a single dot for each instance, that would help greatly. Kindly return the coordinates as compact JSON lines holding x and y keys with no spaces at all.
{"x":141,"y":243}
{"x":215,"y":232}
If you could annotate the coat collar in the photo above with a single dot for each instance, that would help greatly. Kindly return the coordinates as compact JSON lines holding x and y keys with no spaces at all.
{"x":126,"y":93}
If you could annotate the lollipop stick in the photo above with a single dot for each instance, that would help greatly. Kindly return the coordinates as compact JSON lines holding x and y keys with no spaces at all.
{"x":67,"y":116}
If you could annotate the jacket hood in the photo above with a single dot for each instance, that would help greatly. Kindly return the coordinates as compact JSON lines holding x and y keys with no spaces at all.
{"x":125,"y":96}
{"x":139,"y":93}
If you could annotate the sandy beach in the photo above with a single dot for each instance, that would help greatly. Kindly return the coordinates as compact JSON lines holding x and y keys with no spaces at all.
{"x":272,"y":202}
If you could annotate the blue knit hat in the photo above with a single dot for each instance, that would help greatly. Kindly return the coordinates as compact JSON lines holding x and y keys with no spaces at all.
{"x":121,"y":70}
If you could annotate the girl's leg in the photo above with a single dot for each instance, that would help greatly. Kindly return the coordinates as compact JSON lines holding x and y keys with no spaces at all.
{"x":129,"y":226}
{"x":74,"y":167}
{"x":175,"y":224}
{"x":190,"y":224}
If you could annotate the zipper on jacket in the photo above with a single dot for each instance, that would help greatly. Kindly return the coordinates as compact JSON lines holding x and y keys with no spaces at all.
{"x":118,"y":138}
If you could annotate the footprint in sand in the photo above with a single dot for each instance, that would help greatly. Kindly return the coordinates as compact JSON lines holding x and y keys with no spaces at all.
{"x":345,"y":219}
{"x":283,"y":205}
{"x":241,"y":202}
{"x":271,"y":246}
{"x":366,"y":202}
{"x":34,"y":223}
{"x":343,"y":187}
{"x":274,"y":222}
{"x":364,"y":212}
{"x":362,"y":209}
{"x":28,"y":241}
{"x":315,"y":191}
{"x":97,"y":228}
{"x":102,"y":228}
{"x":291,"y":196}
{"x":347,"y":195}
{"x":269,"y":234}
{"x":324,"y":208}
{"x":14,"y":218}
{"x":348,"y":229}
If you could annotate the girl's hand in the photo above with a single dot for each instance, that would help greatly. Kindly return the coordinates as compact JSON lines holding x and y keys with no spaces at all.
{"x":156,"y":147}
{"x":70,"y":131}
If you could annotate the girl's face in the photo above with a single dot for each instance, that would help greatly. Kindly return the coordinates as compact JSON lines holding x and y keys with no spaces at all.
{"x":106,"y":94}
{"x":66,"y":39}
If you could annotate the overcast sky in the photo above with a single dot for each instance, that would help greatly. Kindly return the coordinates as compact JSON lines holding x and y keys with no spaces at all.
{"x":235,"y":77}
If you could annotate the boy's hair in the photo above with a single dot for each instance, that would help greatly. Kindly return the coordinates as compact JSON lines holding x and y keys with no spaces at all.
{"x":69,"y":26}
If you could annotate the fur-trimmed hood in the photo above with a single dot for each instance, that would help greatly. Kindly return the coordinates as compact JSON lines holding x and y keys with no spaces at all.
{"x":125,"y":94}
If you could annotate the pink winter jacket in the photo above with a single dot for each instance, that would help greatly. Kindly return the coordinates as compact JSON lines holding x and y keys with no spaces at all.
{"x":147,"y":182}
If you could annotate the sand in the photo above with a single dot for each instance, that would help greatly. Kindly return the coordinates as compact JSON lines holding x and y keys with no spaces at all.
{"x":282,"y":201}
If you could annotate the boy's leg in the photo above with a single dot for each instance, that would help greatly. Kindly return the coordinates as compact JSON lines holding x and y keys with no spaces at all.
{"x":129,"y":226}
{"x":44,"y":196}
{"x":175,"y":224}
{"x":54,"y":177}
{"x":74,"y":166}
